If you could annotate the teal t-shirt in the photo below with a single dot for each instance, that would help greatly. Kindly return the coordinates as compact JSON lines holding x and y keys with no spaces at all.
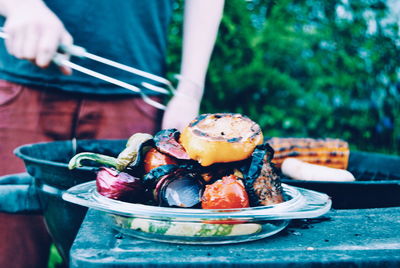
{"x":132,"y":32}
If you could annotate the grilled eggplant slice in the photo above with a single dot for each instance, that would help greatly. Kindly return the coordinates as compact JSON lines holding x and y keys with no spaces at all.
{"x":152,"y":178}
{"x":220,"y":138}
{"x":262,"y":182}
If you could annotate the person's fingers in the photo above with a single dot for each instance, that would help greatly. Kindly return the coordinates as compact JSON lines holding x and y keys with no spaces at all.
{"x":9,"y":41}
{"x":19,"y":42}
{"x":47,"y":47}
{"x":66,"y":39}
{"x":29,"y":49}
{"x":65,"y":70}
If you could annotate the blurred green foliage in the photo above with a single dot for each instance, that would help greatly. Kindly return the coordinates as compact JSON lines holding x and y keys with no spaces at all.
{"x":55,"y":259}
{"x":307,"y":68}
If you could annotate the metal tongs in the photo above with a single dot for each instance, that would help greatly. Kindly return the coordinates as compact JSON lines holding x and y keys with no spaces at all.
{"x":61,"y":59}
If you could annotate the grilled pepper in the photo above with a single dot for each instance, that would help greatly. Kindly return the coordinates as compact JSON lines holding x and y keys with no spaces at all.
{"x":137,"y":145}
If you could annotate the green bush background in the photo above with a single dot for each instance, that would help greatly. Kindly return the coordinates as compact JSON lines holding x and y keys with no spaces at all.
{"x":307,"y":69}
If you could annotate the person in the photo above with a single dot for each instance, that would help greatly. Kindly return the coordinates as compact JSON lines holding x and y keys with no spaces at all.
{"x":45,"y":102}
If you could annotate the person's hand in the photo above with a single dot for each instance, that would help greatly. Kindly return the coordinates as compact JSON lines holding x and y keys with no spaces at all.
{"x":183,"y":107}
{"x":35,"y":33}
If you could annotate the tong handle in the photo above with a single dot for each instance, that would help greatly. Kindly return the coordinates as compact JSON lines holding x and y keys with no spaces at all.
{"x":81,"y":52}
{"x":73,"y":50}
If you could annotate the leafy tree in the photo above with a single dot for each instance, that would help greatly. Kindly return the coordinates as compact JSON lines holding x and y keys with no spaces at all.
{"x":307,"y":68}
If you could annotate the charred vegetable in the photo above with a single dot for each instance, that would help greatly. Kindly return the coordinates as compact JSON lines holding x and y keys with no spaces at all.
{"x":120,"y":186}
{"x":175,"y":186}
{"x":151,"y":179}
{"x":129,"y":158}
{"x":167,"y":141}
{"x":154,"y":159}
{"x":262,"y":182}
{"x":229,"y":192}
{"x":175,"y":167}
{"x":137,"y":145}
{"x":220,"y":138}
{"x":216,"y":171}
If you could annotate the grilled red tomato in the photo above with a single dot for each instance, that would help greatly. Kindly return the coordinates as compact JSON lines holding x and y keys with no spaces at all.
{"x":228,"y":192}
{"x":154,"y":158}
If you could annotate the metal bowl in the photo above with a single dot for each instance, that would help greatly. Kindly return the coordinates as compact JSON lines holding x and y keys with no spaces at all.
{"x":47,"y":163}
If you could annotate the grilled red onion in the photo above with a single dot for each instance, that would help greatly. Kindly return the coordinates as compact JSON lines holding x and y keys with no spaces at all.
{"x":120,"y":186}
{"x":167,"y":141}
{"x":180,"y":189}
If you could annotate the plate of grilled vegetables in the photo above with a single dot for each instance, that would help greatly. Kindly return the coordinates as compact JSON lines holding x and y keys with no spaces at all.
{"x":212,"y":183}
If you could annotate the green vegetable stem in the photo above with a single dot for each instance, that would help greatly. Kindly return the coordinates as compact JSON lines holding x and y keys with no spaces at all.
{"x":127,"y":156}
{"x":100,"y":158}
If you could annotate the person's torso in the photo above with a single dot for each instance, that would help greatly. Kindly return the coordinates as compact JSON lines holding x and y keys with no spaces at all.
{"x":132,"y":32}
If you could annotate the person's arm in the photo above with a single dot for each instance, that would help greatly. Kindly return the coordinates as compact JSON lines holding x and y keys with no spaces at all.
{"x":201,"y":23}
{"x":34,"y":31}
